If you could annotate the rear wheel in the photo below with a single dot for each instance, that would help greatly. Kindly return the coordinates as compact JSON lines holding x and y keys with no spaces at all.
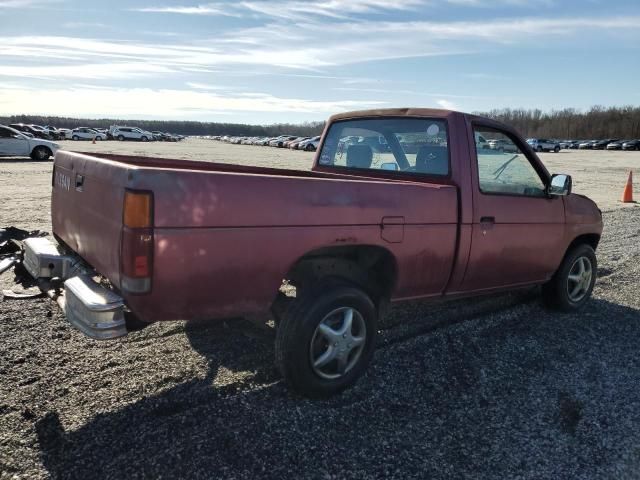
{"x":75,"y":137}
{"x":556,"y":149}
{"x":325,"y":338}
{"x":539,"y":148}
{"x":41,"y":153}
{"x":571,"y":286}
{"x":121,"y":137}
{"x":144,"y":139}
{"x":309,"y":148}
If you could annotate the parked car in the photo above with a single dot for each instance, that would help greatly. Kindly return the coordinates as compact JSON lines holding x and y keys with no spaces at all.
{"x":575,"y":144}
{"x":602,"y":144}
{"x":348,"y":237}
{"x":36,"y":132}
{"x":566,"y":144}
{"x":631,"y":145}
{"x":503,"y":145}
{"x":616,"y":145}
{"x":86,"y":133}
{"x":54,"y":133}
{"x":14,"y":143}
{"x":131,"y":133}
{"x":310,"y":145}
{"x":587,"y":144}
{"x":544,"y":145}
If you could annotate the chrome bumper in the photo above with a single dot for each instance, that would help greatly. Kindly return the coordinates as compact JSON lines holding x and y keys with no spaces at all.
{"x":93,"y":309}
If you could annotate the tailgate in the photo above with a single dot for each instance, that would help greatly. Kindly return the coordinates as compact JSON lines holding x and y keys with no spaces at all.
{"x":86,"y":209}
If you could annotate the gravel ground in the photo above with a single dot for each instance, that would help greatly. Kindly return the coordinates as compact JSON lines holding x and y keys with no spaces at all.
{"x":490,"y":388}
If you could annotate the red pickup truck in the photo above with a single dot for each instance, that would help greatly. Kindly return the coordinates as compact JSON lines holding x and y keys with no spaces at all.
{"x":400,"y":204}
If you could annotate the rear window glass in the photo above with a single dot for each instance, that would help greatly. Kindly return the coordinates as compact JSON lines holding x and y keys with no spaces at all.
{"x":412,"y":145}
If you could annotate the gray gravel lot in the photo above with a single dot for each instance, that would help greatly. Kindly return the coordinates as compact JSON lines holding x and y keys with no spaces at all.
{"x":488,"y":388}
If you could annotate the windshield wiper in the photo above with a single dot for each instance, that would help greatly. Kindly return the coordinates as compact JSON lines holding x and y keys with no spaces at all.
{"x":503,"y":167}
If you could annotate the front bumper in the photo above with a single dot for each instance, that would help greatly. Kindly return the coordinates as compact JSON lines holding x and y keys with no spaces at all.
{"x":95,"y":310}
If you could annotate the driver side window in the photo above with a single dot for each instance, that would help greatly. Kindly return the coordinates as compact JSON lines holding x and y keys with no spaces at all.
{"x":503,"y":169}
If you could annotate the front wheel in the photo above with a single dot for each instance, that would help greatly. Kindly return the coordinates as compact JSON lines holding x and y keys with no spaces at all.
{"x":571,"y":286}
{"x":121,"y":138}
{"x":75,"y":137}
{"x":144,"y":139}
{"x":539,"y":149}
{"x":41,"y":153}
{"x":309,"y":148}
{"x":325,"y":339}
{"x":556,"y":149}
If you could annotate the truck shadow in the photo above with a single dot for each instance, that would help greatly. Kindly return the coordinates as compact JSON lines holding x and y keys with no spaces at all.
{"x":430,"y":403}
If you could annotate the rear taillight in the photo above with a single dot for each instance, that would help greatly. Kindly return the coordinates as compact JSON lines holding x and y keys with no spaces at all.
{"x":136,"y":251}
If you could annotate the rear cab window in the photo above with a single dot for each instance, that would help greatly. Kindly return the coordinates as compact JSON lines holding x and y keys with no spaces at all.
{"x":408,"y":145}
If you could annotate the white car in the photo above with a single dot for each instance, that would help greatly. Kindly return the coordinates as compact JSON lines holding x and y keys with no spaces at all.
{"x":132,"y":133}
{"x":15,"y":144}
{"x":309,"y":145}
{"x":85,"y":133}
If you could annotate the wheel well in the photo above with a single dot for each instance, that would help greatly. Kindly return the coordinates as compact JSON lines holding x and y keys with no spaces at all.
{"x":591,"y":239}
{"x":372,"y":268}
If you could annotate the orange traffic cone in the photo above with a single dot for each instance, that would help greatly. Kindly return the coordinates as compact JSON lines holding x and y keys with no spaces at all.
{"x":94,"y":140}
{"x":627,"y":194}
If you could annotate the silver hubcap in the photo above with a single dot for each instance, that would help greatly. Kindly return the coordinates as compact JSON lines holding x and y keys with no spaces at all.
{"x":579,"y":279}
{"x":337,"y":343}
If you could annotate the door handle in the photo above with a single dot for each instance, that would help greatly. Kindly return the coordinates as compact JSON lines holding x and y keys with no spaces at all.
{"x":487,"y":223}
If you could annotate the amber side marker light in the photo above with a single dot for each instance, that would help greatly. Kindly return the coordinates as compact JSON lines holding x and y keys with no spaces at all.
{"x":137,"y":209}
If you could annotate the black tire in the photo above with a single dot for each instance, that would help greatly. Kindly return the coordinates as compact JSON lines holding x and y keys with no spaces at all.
{"x":144,"y":139}
{"x":41,"y":154}
{"x":539,"y":148}
{"x":556,"y":149}
{"x":98,"y":139}
{"x":121,"y":138}
{"x":298,"y":325}
{"x":75,"y":137}
{"x":556,"y":293}
{"x":309,"y":148}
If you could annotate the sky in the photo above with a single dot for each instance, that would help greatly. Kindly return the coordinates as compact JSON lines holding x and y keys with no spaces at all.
{"x":264,"y":61}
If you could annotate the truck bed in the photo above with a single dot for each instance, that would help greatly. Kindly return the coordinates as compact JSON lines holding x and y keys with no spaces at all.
{"x":225,"y":236}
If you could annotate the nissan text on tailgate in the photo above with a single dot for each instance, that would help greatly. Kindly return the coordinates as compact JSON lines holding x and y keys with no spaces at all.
{"x":400,"y":204}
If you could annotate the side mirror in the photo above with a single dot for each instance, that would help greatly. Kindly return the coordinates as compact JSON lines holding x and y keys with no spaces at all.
{"x":389,"y":166}
{"x":560,"y":185}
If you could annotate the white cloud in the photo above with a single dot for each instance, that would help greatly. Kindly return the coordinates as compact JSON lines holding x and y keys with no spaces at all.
{"x":24,"y":3}
{"x":87,"y":71}
{"x":289,"y":9}
{"x":206,"y":9}
{"x":447,"y":104}
{"x":311,"y":46}
{"x":157,"y":103}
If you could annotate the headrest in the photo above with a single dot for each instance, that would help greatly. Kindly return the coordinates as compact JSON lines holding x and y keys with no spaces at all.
{"x":432,"y":160}
{"x":359,"y":156}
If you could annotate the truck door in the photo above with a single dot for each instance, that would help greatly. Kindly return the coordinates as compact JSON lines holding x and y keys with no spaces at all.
{"x":517,"y":231}
{"x":12,"y":143}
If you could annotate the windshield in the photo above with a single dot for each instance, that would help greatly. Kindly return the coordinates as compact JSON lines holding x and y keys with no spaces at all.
{"x":412,"y":145}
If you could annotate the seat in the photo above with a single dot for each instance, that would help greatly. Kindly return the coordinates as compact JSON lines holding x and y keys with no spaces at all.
{"x":432,"y":160}
{"x":359,"y":156}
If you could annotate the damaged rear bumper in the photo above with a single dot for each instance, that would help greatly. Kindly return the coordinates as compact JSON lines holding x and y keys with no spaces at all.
{"x":96,"y":311}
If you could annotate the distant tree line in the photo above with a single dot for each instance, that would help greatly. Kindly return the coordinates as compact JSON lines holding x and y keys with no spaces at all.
{"x":174,"y":126}
{"x":597,"y":123}
{"x":569,"y":123}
